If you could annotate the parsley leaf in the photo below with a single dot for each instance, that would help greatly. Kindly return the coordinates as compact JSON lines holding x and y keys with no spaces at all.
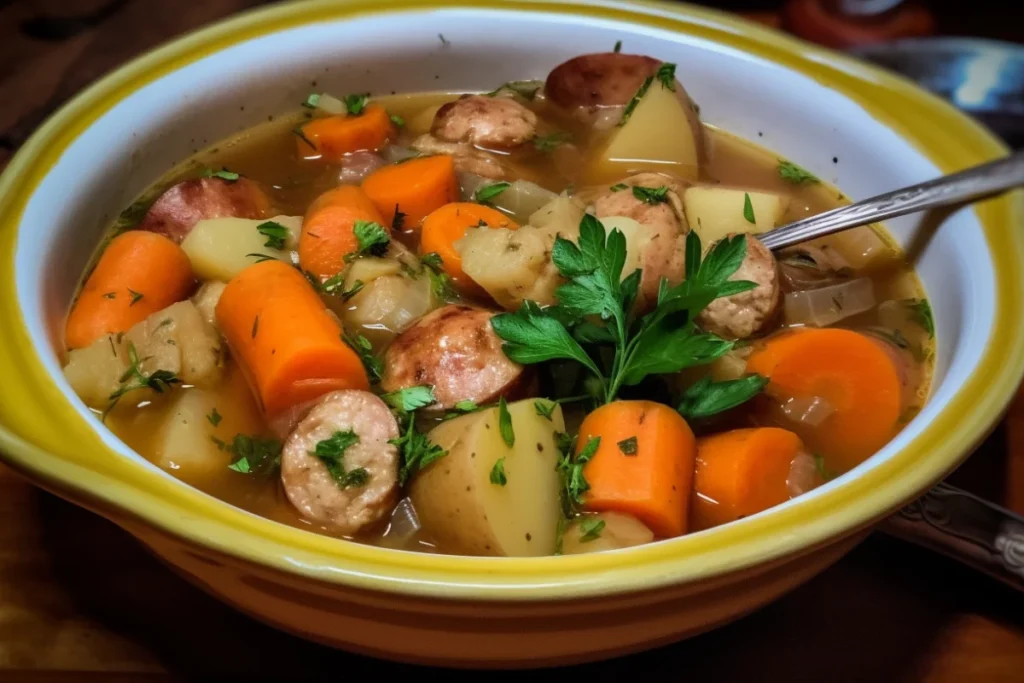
{"x":253,"y":454}
{"x":570,"y":470}
{"x":397,"y":120}
{"x":525,"y":89}
{"x":461,"y":408}
{"x":632,"y":104}
{"x":275,"y":233}
{"x":415,"y":451}
{"x":819,"y":465}
{"x":373,"y":238}
{"x":921,"y":313}
{"x":485,"y":193}
{"x":498,"y":475}
{"x":214,"y":417}
{"x":792,"y":173}
{"x":312,"y":100}
{"x":666,"y":75}
{"x":134,"y":379}
{"x":223,"y":174}
{"x":411,"y":398}
{"x":748,"y":209}
{"x":331,"y":452}
{"x":628,"y":446}
{"x":362,"y":346}
{"x":136,"y":297}
{"x":619,"y":187}
{"x":505,"y":423}
{"x":302,"y":136}
{"x":548,"y":143}
{"x":707,"y":397}
{"x":650,"y":195}
{"x":355,"y":104}
{"x":545,"y":408}
{"x":590,"y":529}
{"x":440,"y":282}
{"x":618,"y":46}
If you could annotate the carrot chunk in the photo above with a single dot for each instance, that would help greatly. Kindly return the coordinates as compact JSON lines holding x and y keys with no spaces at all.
{"x":643,"y":465}
{"x":415,"y":188}
{"x":138,"y":274}
{"x":332,"y":137}
{"x":741,"y":472}
{"x":856,"y":378}
{"x":328,"y":229}
{"x":285,"y":341}
{"x":448,"y":224}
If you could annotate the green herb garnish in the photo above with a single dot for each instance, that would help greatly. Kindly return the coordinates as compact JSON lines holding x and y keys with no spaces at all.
{"x":548,"y":143}
{"x":373,"y":238}
{"x":355,"y":104}
{"x":819,"y":466}
{"x":525,"y":89}
{"x":792,"y":173}
{"x":223,"y":174}
{"x":136,"y":297}
{"x":214,"y":417}
{"x":275,"y":233}
{"x":505,"y":423}
{"x":415,"y":451}
{"x":331,"y":452}
{"x":590,"y":529}
{"x":134,"y":378}
{"x":302,"y":136}
{"x":397,"y":120}
{"x":362,"y":346}
{"x":312,"y":100}
{"x":921,"y":313}
{"x":666,"y":75}
{"x":253,"y":454}
{"x":487,"y":192}
{"x":618,"y":46}
{"x":748,"y":209}
{"x":544,"y":408}
{"x":440,"y":282}
{"x":411,"y":398}
{"x":706,"y":397}
{"x":628,"y":446}
{"x":619,"y":187}
{"x":260,"y":258}
{"x":498,"y":475}
{"x":632,"y":104}
{"x":649,"y":195}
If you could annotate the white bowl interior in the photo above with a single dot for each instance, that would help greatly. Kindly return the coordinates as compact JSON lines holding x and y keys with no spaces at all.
{"x":133,"y":143}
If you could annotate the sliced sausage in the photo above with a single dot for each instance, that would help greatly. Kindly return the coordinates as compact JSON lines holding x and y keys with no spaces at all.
{"x":742,"y":315}
{"x":489,"y":122}
{"x":308,"y":482}
{"x":467,"y":157}
{"x":605,"y":79}
{"x":664,"y":244}
{"x":455,"y":350}
{"x":178,"y":209}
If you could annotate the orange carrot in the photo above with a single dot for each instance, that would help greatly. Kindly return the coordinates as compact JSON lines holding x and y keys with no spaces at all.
{"x":447,"y":225}
{"x":643,"y":465}
{"x":740,"y":473}
{"x":327,"y":229}
{"x":285,"y":341}
{"x":855,"y":377}
{"x":415,"y":187}
{"x":332,"y":137}
{"x":139,"y":273}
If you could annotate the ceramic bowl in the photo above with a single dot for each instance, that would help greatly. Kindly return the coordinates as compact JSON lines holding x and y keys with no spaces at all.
{"x":847,"y":122}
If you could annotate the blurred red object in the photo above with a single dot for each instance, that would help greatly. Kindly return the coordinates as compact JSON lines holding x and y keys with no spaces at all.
{"x":846,"y":23}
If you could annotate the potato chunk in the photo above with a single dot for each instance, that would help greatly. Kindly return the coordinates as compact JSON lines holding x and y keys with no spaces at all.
{"x":660,"y":135}
{"x":220,"y":248}
{"x":178,"y":340}
{"x":183,"y":441}
{"x":604,"y":531}
{"x":94,"y":371}
{"x":715,"y":212}
{"x":462,"y":509}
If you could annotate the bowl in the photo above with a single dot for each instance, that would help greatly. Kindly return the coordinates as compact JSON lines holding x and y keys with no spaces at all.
{"x":846,"y":121}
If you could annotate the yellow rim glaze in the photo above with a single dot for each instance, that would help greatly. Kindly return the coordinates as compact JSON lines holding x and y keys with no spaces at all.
{"x":44,"y":437}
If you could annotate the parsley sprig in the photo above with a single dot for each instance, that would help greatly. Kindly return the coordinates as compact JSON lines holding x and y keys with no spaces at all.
{"x":134,"y":379}
{"x":331,"y":452}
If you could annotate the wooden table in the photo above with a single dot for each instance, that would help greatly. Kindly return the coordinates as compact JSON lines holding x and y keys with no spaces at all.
{"x":81,"y":601}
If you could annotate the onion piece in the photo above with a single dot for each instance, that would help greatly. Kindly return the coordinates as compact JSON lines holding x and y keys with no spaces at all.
{"x":329,"y":104}
{"x":803,"y":475}
{"x":403,"y":525}
{"x":393,"y":154}
{"x":607,"y":118}
{"x":520,"y":200}
{"x":828,"y":305}
{"x":357,"y":165}
{"x":807,"y":267}
{"x":806,"y":410}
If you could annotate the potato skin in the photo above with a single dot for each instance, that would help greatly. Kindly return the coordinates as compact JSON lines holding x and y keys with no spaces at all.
{"x":464,"y":512}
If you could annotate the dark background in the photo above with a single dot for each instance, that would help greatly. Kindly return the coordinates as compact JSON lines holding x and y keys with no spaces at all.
{"x":80,"y":600}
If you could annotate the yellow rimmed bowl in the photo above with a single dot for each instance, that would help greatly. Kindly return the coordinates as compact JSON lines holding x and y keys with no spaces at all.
{"x":847,"y":122}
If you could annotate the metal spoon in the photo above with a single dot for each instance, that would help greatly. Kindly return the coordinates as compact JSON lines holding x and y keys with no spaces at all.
{"x":966,"y":186}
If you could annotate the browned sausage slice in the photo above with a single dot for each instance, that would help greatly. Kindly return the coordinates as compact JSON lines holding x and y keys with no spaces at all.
{"x":455,"y":350}
{"x":606,"y":79}
{"x":178,"y":209}
{"x":343,"y":506}
{"x":743,"y":315}
{"x":487,"y":122}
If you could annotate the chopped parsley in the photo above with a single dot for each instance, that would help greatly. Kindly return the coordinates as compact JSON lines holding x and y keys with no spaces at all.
{"x":302,"y":136}
{"x":618,"y":46}
{"x":134,"y":379}
{"x":136,"y":297}
{"x":505,"y":423}
{"x":312,"y":100}
{"x":373,"y":238}
{"x":794,"y":174}
{"x":619,"y":187}
{"x":275,"y":233}
{"x":461,"y":408}
{"x":331,"y":452}
{"x":819,"y":466}
{"x":748,"y":209}
{"x":525,"y":89}
{"x":666,"y":75}
{"x":632,"y":104}
{"x":440,"y":282}
{"x":255,"y":326}
{"x":223,"y":174}
{"x":362,"y":346}
{"x":628,"y":446}
{"x":411,"y":398}
{"x":590,"y":529}
{"x":397,"y":120}
{"x":545,"y":408}
{"x":550,"y":142}
{"x":260,"y":258}
{"x":649,"y":195}
{"x":214,"y":417}
{"x":253,"y":454}
{"x":921,"y":313}
{"x":485,"y":193}
{"x":498,"y":476}
{"x":355,"y":104}
{"x":415,"y":451}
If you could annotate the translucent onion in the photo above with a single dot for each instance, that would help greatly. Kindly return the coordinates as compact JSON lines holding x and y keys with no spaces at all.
{"x":807,"y":410}
{"x":404,"y":524}
{"x":358,"y":165}
{"x":607,"y":118}
{"x":803,"y":475}
{"x":393,"y":154}
{"x":520,"y":200}
{"x":828,"y":305}
{"x":331,"y":105}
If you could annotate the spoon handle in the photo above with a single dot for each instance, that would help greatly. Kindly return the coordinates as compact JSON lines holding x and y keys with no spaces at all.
{"x":973,"y":183}
{"x":963,"y":526}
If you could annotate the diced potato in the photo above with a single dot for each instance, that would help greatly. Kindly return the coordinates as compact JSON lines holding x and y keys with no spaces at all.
{"x":460,"y":507}
{"x":659,"y":136}
{"x":587,"y":534}
{"x":183,"y":439}
{"x":511,"y":265}
{"x":369,"y":268}
{"x":715,"y":212}
{"x":94,"y":371}
{"x":178,"y":340}
{"x":562,"y":215}
{"x":387,"y":305}
{"x":206,"y":300}
{"x":220,"y":248}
